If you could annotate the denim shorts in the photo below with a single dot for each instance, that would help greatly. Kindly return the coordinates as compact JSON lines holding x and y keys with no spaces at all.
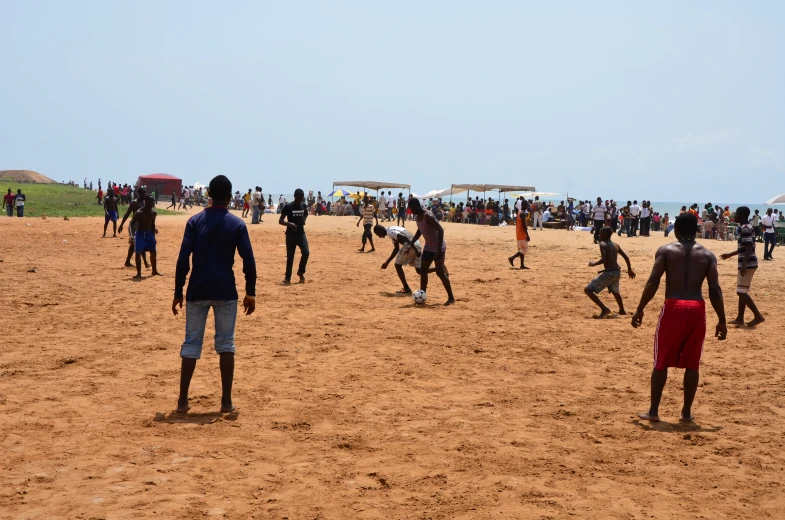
{"x":225,"y":313}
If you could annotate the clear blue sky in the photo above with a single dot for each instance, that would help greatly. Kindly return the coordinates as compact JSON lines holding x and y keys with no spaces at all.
{"x":659,"y":100}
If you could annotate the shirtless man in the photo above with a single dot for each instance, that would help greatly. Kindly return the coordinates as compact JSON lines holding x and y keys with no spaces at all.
{"x":435,"y":247}
{"x":144,"y":238}
{"x":133,"y":207}
{"x":110,"y":212}
{"x":611,"y":274}
{"x":681,"y":329}
{"x":405,"y":252}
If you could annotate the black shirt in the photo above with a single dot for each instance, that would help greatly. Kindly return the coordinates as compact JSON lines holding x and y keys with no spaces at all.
{"x":296,"y":214}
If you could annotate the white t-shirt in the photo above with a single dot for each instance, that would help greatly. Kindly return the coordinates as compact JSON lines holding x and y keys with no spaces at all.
{"x":645,"y":212}
{"x":518,"y":204}
{"x":255,"y":198}
{"x":390,"y":201}
{"x":768,"y":224}
{"x":546,"y":216}
{"x":382,"y":200}
{"x":599,"y":212}
{"x":635,"y":210}
{"x":20,"y":200}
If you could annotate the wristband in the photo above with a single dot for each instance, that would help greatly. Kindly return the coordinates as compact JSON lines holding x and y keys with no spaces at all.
{"x":250,"y":297}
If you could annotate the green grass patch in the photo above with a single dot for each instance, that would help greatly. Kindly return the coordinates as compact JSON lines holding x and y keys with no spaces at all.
{"x":57,"y":200}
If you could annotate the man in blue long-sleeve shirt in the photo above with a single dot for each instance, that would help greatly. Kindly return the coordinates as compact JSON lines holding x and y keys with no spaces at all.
{"x":212,"y":237}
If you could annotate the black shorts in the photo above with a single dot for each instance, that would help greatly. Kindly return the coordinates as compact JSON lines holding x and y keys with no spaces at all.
{"x":430,"y":256}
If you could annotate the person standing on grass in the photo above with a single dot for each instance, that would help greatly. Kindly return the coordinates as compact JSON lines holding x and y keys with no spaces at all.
{"x":367,"y":217}
{"x":681,"y":328}
{"x":110,"y":213}
{"x":748,"y":264}
{"x":295,"y":213}
{"x":435,"y":248}
{"x":8,"y":202}
{"x":19,"y":200}
{"x":522,"y":236}
{"x":209,"y":244}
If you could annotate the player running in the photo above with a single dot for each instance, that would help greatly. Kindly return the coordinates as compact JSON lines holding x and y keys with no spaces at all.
{"x":110,"y":212}
{"x":610,"y":276}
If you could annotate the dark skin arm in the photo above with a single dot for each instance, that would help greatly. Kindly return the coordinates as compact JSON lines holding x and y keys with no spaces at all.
{"x":715,"y":296}
{"x":651,"y":287}
{"x":132,"y":207}
{"x":626,"y":259}
{"x":395,"y":252}
{"x":601,"y":261}
{"x":745,"y":259}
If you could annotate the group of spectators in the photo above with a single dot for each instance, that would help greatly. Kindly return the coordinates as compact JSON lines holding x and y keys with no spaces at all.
{"x":13,"y":201}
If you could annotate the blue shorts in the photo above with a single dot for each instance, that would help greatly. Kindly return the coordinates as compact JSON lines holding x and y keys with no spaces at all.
{"x":144,"y":241}
{"x":110,"y":215}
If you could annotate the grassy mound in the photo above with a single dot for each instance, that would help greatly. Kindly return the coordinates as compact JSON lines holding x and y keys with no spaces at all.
{"x":57,"y":200}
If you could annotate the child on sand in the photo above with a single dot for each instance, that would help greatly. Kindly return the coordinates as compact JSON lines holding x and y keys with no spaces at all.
{"x":521,"y":235}
{"x":144,"y":238}
{"x":610,"y":276}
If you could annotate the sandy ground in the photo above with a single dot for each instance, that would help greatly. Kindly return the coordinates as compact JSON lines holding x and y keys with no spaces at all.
{"x":514,"y":403}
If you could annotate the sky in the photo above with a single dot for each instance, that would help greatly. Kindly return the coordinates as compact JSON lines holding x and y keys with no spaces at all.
{"x":665,"y":101}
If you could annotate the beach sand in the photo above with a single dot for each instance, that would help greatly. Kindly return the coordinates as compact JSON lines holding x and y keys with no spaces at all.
{"x":353,"y":403}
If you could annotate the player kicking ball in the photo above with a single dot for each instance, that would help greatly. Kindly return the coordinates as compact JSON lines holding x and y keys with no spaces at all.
{"x":406,"y":252}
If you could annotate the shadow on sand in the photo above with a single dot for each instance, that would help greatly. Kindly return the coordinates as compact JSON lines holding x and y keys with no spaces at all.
{"x":676,"y":427}
{"x":194,"y":418}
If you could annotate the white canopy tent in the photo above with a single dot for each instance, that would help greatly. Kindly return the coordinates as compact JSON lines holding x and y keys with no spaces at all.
{"x":501,"y":188}
{"x":372,"y":185}
{"x":779,"y":199}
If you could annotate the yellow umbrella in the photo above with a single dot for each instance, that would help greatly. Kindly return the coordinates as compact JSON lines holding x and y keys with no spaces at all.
{"x":358,"y":196}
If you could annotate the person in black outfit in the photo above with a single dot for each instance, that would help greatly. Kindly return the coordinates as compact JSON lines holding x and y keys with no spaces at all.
{"x":401,"y":220}
{"x":296,"y":213}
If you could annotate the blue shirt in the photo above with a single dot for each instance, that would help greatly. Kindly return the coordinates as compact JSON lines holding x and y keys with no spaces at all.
{"x":212,"y":237}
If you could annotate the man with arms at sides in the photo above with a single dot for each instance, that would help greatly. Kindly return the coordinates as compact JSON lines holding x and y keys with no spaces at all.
{"x":8,"y":202}
{"x":681,"y":329}
{"x":209,"y":242}
{"x":635,"y":214}
{"x":401,"y":220}
{"x":133,"y":207}
{"x":611,"y":274}
{"x":769,"y":235}
{"x":295,"y":212}
{"x":598,"y":214}
{"x":144,"y":238}
{"x":435,"y":248}
{"x":110,"y":212}
{"x":748,"y":264}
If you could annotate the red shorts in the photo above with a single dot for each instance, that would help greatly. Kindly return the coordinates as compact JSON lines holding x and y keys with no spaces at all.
{"x":246,"y":206}
{"x":681,"y":329}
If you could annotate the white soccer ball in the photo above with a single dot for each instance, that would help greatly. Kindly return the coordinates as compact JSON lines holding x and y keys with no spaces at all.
{"x":419,"y":297}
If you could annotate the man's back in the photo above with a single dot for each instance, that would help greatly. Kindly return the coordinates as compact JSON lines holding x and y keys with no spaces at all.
{"x":687,"y":264}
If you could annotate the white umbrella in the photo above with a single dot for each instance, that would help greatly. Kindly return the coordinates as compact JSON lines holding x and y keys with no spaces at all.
{"x":779,"y":199}
{"x":540,"y":194}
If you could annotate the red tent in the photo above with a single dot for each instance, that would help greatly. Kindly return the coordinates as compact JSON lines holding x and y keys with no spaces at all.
{"x":163,"y":183}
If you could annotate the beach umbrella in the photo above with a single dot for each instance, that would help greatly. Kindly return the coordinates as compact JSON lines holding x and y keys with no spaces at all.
{"x":339,"y":193}
{"x":357,"y":196}
{"x":779,"y":199}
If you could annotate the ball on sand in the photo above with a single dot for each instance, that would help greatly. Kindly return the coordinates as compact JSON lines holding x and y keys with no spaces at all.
{"x":419,"y":296}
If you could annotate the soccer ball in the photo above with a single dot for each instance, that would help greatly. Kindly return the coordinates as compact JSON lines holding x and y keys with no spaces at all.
{"x":419,"y":296}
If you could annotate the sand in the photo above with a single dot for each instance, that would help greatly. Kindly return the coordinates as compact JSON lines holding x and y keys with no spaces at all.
{"x":353,"y":403}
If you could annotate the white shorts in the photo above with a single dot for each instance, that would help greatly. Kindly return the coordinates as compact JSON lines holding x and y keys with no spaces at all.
{"x":407,"y":256}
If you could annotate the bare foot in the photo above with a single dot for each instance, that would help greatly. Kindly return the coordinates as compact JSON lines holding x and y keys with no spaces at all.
{"x":156,"y":273}
{"x":228,"y":409}
{"x":286,"y":282}
{"x":182,"y":408}
{"x":737,"y":322}
{"x":524,"y":267}
{"x":603,"y":314}
{"x":372,"y":250}
{"x":138,"y":276}
{"x":361,"y":250}
{"x":127,"y":264}
{"x":511,"y":262}
{"x":302,"y":278}
{"x":449,"y":302}
{"x":647,"y":417}
{"x":622,"y":312}
{"x":686,"y":418}
{"x":756,"y":321}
